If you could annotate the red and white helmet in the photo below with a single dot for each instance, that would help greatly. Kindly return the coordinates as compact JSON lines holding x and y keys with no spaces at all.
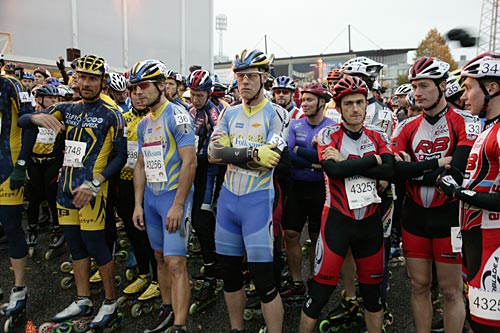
{"x":428,"y":68}
{"x":349,"y":85}
{"x":362,"y":65}
{"x":484,"y":65}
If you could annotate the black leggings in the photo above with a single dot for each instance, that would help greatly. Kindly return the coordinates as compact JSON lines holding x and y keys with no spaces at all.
{"x":139,"y":239}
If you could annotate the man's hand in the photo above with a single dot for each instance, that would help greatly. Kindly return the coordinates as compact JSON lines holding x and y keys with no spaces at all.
{"x":174,"y":218}
{"x":17,"y":177}
{"x":60,"y":63}
{"x":448,"y":185}
{"x":266,"y":157}
{"x":47,"y":121}
{"x":330,"y":153}
{"x":138,"y":218}
{"x":444,"y":161}
{"x":403,"y":157}
{"x":221,"y":138}
{"x":84,"y":194}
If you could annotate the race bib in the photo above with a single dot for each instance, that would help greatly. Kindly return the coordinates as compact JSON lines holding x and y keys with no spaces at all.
{"x":74,"y":152}
{"x":456,"y":240}
{"x":361,"y":192}
{"x":132,"y":151}
{"x":385,"y":115}
{"x":484,"y":304}
{"x":473,"y":128}
{"x":24,"y":97}
{"x":181,"y":119}
{"x":237,"y":169}
{"x":154,"y":164}
{"x":46,"y":136}
{"x":278,"y":141}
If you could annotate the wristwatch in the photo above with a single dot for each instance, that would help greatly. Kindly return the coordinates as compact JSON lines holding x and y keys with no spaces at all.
{"x":96,"y":182}
{"x":21,"y":162}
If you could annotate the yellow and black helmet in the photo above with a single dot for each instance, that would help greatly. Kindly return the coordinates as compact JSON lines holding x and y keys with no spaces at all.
{"x":252,"y":59}
{"x":91,"y":64}
{"x":148,"y":70}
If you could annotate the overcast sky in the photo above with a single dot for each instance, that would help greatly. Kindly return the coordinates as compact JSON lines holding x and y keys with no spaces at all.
{"x":307,"y":27}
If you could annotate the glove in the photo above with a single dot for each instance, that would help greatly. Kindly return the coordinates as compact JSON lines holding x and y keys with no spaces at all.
{"x":87,"y":185}
{"x":265,"y":156}
{"x":448,"y":185}
{"x":225,"y":141}
{"x":17,"y":177}
{"x":60,"y":64}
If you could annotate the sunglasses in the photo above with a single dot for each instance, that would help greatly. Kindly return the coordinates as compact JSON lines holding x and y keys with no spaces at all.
{"x":282,"y":91}
{"x":143,"y":85}
{"x":248,"y":75}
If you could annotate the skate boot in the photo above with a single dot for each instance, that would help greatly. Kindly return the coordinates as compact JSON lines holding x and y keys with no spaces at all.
{"x":388,"y":316}
{"x":31,"y":239}
{"x":148,"y":300}
{"x":346,"y":316}
{"x":107,"y":317}
{"x":15,"y":309}
{"x":252,"y":308}
{"x":81,"y":307}
{"x":133,"y":289}
{"x":131,"y":270}
{"x":177,"y":329}
{"x":205,"y":296}
{"x":56,"y":241}
{"x":294,"y":294}
{"x":164,"y":320}
{"x":96,"y":285}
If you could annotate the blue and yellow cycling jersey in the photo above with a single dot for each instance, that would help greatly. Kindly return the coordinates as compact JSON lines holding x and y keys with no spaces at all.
{"x":168,"y":128}
{"x":100,"y":129}
{"x":14,"y":102}
{"x":260,"y":125}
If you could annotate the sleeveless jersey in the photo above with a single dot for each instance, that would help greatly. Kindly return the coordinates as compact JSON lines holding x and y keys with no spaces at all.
{"x":425,"y":141}
{"x":265,"y":123}
{"x":369,"y":143}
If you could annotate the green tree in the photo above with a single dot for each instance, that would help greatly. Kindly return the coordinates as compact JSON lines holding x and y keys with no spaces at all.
{"x":402,"y":79}
{"x":434,"y":45}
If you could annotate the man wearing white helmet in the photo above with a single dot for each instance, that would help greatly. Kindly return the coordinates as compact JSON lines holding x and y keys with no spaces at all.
{"x":400,"y":93}
{"x":283,"y":89}
{"x":479,"y":193}
{"x":425,"y":144}
{"x":117,"y":89}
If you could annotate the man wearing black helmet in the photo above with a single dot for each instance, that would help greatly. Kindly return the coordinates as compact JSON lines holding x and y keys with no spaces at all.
{"x":249,"y":139}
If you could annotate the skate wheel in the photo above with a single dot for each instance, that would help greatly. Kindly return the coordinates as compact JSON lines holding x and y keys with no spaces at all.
{"x":118,"y":280}
{"x":31,"y":252}
{"x":121,"y":301}
{"x":324,"y":326}
{"x":202,"y":270}
{"x":193,"y":308}
{"x":81,"y":326}
{"x":136,"y":310}
{"x":148,"y":308}
{"x":45,"y":328}
{"x":248,"y":314}
{"x":66,"y":267}
{"x":7,"y":325}
{"x":122,"y":256}
{"x":130,"y":274}
{"x":66,"y":282}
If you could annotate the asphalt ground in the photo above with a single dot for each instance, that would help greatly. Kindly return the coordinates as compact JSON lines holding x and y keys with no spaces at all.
{"x":46,"y":297}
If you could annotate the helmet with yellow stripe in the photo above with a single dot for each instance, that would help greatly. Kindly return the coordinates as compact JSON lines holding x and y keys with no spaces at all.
{"x":252,"y":59}
{"x":91,"y":64}
{"x":148,"y":70}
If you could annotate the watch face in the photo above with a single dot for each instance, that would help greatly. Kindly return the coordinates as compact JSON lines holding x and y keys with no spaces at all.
{"x":96,"y":183}
{"x":21,"y":162}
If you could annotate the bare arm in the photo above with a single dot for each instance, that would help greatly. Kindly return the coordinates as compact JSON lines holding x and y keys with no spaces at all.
{"x":139,"y":186}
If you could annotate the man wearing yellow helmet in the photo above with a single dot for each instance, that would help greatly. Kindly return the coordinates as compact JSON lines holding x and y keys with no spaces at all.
{"x":95,"y":151}
{"x":249,"y":138}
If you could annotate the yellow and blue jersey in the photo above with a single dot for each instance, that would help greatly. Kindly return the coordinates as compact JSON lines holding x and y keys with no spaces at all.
{"x":14,"y":102}
{"x":101,"y":127}
{"x":252,"y":128}
{"x":171,"y":127}
{"x":132,"y":119}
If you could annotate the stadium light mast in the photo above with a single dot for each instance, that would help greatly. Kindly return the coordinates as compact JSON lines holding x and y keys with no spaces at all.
{"x":221,"y":27}
{"x":489,"y":27}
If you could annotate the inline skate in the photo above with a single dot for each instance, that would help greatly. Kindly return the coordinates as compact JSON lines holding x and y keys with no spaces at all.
{"x":206,"y":295}
{"x":294,"y":294}
{"x":56,"y":242}
{"x":76,"y":317}
{"x":32,"y":239}
{"x":347,"y":315}
{"x":150,"y":299}
{"x":15,"y":310}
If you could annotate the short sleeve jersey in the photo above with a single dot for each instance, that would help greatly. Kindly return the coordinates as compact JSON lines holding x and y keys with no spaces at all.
{"x":369,"y":143}
{"x":265,"y":123}
{"x":171,"y":127}
{"x":378,"y":115}
{"x":204,"y":120}
{"x":100,"y":126}
{"x":482,"y":174}
{"x":425,"y":141}
{"x":14,"y":102}
{"x":132,"y":119}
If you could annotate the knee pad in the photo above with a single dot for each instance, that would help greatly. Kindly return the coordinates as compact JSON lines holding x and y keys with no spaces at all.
{"x":231,"y":272}
{"x":317,"y":298}
{"x":73,"y":237}
{"x":263,"y":278}
{"x":372,"y":296}
{"x":97,"y":247}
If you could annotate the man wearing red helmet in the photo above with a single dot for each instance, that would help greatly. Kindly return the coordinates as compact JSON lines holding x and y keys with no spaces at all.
{"x":330,"y":110}
{"x":425,"y":144}
{"x":353,"y":157}
{"x":479,"y":194}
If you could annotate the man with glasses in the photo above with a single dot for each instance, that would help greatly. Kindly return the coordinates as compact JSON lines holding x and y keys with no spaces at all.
{"x":330,"y":109}
{"x":249,"y":138}
{"x":283,"y":89}
{"x":163,"y":185}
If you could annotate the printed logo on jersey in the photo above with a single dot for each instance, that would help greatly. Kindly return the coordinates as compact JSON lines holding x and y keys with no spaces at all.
{"x":256,"y":125}
{"x":92,"y":122}
{"x":324,"y":137}
{"x":239,"y":125}
{"x":319,"y":253}
{"x":366,"y":145}
{"x":428,"y":150}
{"x":490,"y":280}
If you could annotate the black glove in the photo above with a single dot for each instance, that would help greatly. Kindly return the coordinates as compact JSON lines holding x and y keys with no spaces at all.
{"x":448,"y":185}
{"x":60,"y":64}
{"x":17,"y":177}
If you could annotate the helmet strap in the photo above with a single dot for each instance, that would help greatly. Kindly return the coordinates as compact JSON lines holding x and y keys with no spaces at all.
{"x":440,"y":95}
{"x":487,"y":98}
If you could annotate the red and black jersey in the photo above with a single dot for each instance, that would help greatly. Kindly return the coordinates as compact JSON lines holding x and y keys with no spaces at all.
{"x":482,"y":175}
{"x":426,"y":140}
{"x":368,"y":142}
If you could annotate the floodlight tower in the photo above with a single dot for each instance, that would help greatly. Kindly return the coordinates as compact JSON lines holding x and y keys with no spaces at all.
{"x":489,"y":28}
{"x":221,"y":26}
